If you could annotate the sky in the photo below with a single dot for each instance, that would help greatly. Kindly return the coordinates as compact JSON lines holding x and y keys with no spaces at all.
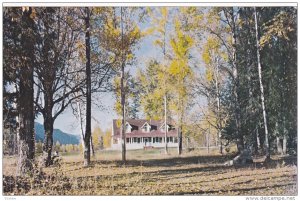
{"x":103,"y":116}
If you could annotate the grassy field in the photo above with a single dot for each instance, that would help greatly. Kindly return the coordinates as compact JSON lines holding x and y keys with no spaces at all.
{"x":151,"y":172}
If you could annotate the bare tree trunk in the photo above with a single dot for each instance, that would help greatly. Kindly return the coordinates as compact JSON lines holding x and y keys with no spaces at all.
{"x":48,"y":138}
{"x":261,"y":89}
{"x":26,"y":116}
{"x":16,"y":136}
{"x":250,"y":108}
{"x":123,"y":95}
{"x":207,"y":139}
{"x":87,"y":137}
{"x":15,"y":147}
{"x":219,"y":133}
{"x":284,"y":147}
{"x":257,"y":141}
{"x":92,"y":146}
{"x":81,"y":126}
{"x":165,"y":110}
{"x":219,"y":123}
{"x":165,"y":90}
{"x":180,"y":116}
{"x":278,"y":140}
{"x":180,"y":140}
{"x":279,"y":146}
{"x":284,"y":142}
{"x":166,"y":125}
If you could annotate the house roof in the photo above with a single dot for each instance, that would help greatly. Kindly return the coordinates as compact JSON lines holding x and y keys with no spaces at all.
{"x":157,"y":133}
{"x":138,"y":123}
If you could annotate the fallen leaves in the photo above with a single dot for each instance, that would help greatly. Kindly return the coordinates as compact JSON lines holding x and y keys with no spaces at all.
{"x":176,"y":176}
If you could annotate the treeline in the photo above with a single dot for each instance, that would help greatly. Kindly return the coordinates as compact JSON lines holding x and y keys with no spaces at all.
{"x":100,"y":141}
{"x":251,"y":77}
{"x":227,"y":71}
{"x":224,"y":74}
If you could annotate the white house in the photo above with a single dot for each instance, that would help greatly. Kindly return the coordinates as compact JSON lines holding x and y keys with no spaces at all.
{"x":141,"y":133}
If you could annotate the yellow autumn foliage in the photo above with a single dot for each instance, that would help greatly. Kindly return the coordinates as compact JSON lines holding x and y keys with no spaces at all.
{"x":209,"y":74}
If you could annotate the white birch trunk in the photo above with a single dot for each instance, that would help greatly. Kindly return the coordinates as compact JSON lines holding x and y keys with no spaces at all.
{"x":261,"y":88}
{"x":81,"y":126}
{"x":166,"y":125}
{"x":218,"y":109}
{"x":123,"y":95}
{"x":284,"y":147}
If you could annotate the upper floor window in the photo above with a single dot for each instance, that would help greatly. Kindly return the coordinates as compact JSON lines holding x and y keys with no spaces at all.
{"x":162,"y":128}
{"x":146,"y":127}
{"x":128,"y":128}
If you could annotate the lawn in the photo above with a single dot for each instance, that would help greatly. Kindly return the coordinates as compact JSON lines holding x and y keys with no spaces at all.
{"x":151,"y":172}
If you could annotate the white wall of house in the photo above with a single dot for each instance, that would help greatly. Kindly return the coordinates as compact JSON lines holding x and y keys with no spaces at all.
{"x":135,"y":145}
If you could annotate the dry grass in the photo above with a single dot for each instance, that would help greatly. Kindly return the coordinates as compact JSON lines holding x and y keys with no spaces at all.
{"x":153,"y":173}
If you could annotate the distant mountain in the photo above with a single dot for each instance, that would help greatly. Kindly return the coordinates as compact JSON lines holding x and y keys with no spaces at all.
{"x":58,"y":135}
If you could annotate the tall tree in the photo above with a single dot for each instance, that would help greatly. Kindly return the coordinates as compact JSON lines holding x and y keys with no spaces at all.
{"x":123,"y":91}
{"x":249,"y":84}
{"x":181,"y":73}
{"x":123,"y":34}
{"x":262,"y":95}
{"x":87,"y":136}
{"x":226,"y":30}
{"x":26,"y":109}
{"x":160,"y":20}
{"x":11,"y":67}
{"x":212,"y":86}
{"x":55,"y":46}
{"x":278,"y":49}
{"x":104,"y":61}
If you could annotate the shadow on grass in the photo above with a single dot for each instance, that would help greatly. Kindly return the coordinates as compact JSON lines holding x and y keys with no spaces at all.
{"x":169,"y":162}
{"x":190,"y":160}
{"x":208,"y":165}
{"x":241,"y":191}
{"x":212,"y":165}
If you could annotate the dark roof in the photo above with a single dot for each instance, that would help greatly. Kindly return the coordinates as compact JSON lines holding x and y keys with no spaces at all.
{"x":138,"y":123}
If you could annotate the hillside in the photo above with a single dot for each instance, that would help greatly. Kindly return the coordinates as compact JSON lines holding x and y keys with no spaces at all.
{"x":58,"y":135}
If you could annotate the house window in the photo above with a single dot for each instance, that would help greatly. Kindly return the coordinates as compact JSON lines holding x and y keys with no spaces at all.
{"x":163,"y":128}
{"x":171,"y":139}
{"x":115,"y":141}
{"x":138,"y":140}
{"x":175,"y":140}
{"x":128,"y":128}
{"x":170,"y":128}
{"x":146,"y":127}
{"x":127,"y":140}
